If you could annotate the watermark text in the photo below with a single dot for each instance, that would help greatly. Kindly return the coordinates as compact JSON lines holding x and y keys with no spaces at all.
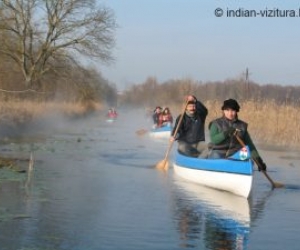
{"x":267,"y":12}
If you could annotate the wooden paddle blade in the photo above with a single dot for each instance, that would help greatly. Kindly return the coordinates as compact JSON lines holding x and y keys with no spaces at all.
{"x":274,"y":184}
{"x":278,"y":185}
{"x":163,"y":165}
{"x":166,"y":167}
{"x":141,"y":132}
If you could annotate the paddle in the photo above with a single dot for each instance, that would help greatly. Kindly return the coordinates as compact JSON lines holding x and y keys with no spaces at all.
{"x":274,"y":184}
{"x":141,"y":132}
{"x":164,"y":164}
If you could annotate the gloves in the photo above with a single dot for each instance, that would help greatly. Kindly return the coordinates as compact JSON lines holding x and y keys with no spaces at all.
{"x":260,"y":164}
{"x":230,"y":132}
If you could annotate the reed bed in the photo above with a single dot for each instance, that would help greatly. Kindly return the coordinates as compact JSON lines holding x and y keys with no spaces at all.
{"x":21,"y":112}
{"x":268,"y":122}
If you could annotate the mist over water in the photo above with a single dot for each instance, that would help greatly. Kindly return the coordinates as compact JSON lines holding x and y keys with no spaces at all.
{"x":95,"y":186}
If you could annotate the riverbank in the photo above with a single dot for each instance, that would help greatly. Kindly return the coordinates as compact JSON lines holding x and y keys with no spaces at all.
{"x":17,"y":117}
{"x":23,"y":119}
{"x":269,"y":124}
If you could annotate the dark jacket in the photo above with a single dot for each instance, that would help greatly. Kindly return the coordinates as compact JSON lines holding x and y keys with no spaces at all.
{"x":192,"y":129}
{"x":157,"y":119}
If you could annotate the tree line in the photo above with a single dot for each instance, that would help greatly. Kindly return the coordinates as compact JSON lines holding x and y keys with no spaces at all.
{"x":43,"y":45}
{"x":151,"y":92}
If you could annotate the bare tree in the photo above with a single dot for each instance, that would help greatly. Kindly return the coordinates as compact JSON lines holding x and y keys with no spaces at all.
{"x":36,"y":34}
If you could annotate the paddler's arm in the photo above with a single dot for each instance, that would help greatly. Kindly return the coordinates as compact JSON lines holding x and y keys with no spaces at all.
{"x":201,"y":109}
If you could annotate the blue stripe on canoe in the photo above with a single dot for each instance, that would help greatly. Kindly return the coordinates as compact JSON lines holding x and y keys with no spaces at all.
{"x":162,"y":129}
{"x":219,"y":165}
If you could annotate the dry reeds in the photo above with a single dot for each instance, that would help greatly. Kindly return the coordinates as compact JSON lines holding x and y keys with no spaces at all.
{"x":20,"y":112}
{"x":268,"y":123}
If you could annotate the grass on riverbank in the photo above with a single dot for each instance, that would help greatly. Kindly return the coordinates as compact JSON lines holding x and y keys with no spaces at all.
{"x":21,"y":112}
{"x":268,"y":122}
{"x":19,"y":117}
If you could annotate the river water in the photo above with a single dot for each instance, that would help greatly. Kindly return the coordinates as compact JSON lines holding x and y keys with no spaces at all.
{"x":94,"y":186}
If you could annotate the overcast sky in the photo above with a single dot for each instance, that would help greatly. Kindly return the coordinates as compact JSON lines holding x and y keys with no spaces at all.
{"x":175,"y":39}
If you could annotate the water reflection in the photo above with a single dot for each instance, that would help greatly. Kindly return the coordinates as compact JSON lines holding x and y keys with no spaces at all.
{"x":219,"y":220}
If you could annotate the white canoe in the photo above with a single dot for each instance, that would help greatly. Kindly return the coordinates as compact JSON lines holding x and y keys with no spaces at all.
{"x":110,"y":120}
{"x":162,"y":132}
{"x":234,"y":174}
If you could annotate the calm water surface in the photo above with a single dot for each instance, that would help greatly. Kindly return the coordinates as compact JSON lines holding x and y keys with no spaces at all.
{"x":94,"y":186}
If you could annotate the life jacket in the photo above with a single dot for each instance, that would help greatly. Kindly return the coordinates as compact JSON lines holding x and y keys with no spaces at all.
{"x":167,"y":118}
{"x":160,"y":120}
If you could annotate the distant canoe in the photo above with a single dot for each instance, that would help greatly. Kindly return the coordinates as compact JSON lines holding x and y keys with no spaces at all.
{"x":162,"y":132}
{"x":111,"y":120}
{"x":234,"y":174}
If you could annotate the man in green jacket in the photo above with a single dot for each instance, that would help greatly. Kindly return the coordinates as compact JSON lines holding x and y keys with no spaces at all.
{"x":223,"y":133}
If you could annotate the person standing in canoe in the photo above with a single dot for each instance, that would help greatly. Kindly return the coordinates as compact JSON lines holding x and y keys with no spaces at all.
{"x":190,"y":133}
{"x":226,"y":131}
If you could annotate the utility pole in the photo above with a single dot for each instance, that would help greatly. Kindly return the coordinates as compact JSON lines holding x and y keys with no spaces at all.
{"x":247,"y":83}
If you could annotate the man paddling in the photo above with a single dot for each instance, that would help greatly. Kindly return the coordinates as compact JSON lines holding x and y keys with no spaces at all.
{"x":226,"y":131}
{"x":190,"y":134}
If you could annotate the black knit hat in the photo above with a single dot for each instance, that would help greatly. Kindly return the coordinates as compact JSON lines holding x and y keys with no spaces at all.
{"x":231,"y":104}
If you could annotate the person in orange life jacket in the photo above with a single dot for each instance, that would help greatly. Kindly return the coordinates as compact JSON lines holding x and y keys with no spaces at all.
{"x":222,"y":133}
{"x":190,"y":135}
{"x":157,"y":117}
{"x":167,"y":117}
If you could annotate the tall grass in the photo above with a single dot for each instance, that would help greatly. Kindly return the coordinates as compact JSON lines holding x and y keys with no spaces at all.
{"x":22,"y":112}
{"x":268,"y":122}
